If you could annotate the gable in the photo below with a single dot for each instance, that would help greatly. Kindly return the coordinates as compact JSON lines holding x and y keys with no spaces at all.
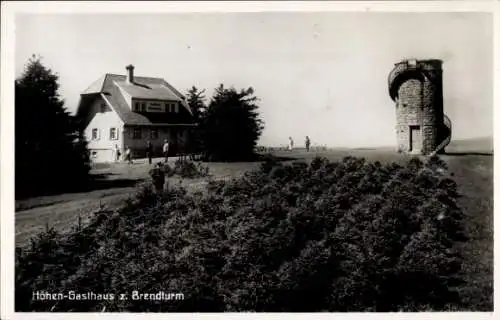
{"x":100,"y":113}
{"x":96,"y":86}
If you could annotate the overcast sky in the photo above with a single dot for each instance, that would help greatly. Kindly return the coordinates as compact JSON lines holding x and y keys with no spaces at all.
{"x":317,"y":74}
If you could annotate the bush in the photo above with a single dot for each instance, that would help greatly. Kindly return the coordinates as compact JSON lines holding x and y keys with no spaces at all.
{"x":189,"y":169}
{"x":328,"y":236}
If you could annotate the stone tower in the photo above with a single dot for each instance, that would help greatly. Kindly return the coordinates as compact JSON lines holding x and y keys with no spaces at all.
{"x":416,"y":86}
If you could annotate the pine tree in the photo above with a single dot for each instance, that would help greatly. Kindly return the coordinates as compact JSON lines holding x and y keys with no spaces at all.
{"x":196,"y":100}
{"x":231,"y":126}
{"x":51,"y":152}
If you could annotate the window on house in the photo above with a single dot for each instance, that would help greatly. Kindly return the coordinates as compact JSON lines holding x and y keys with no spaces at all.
{"x":154,"y":134}
{"x":94,"y":154}
{"x":95,"y":134}
{"x":136,"y":106}
{"x":113,"y":134}
{"x":176,"y":106}
{"x":137,"y":133}
{"x":143,"y":107}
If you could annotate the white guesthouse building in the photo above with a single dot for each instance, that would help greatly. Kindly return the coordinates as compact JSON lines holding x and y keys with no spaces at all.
{"x":124,"y":110}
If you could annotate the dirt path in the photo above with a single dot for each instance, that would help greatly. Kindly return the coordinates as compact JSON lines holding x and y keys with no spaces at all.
{"x":61,"y":216}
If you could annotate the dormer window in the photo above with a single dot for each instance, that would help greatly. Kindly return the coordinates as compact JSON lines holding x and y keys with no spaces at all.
{"x":155,"y":106}
{"x":171,"y":107}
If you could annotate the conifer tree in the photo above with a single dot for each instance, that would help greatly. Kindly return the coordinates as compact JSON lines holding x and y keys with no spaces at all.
{"x":231,"y":126}
{"x":51,"y":153}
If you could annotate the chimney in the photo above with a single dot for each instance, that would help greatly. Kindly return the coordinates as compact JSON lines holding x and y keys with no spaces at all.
{"x":130,"y":73}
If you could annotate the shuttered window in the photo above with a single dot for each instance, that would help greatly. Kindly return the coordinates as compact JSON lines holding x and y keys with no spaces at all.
{"x":154,"y":134}
{"x":113,"y":134}
{"x":136,"y":134}
{"x":95,"y":134}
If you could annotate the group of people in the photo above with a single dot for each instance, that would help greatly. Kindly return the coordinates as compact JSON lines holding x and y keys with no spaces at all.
{"x":149,"y":152}
{"x":307,"y":143}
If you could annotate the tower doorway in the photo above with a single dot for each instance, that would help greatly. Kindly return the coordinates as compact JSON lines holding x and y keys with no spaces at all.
{"x":415,"y":139}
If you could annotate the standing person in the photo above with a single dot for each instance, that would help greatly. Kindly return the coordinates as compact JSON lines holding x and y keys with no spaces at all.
{"x":128,"y":154}
{"x":308,"y":143}
{"x":165,"y":150}
{"x":149,"y":151}
{"x":117,"y":153}
{"x":290,"y":143}
{"x":158,"y":176}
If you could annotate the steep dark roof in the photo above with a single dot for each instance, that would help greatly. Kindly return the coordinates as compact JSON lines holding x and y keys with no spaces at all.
{"x":143,"y":87}
{"x":150,"y":91}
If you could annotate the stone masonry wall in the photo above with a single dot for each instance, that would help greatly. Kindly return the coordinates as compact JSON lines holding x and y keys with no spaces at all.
{"x":418,"y":104}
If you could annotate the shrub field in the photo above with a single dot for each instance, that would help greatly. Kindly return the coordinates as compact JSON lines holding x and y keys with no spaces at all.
{"x":338,"y":236}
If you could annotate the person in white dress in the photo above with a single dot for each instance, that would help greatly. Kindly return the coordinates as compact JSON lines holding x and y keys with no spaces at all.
{"x":165,"y":150}
{"x":128,"y":155}
{"x":290,"y":143}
